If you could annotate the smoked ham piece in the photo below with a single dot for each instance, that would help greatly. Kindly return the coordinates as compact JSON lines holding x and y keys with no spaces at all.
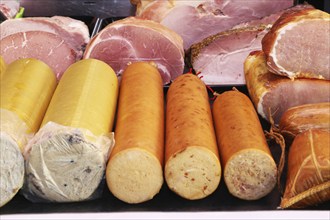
{"x":195,"y":20}
{"x":131,"y":39}
{"x":220,"y":57}
{"x":58,"y":41}
{"x":276,"y":94}
{"x":305,"y":117}
{"x":298,"y":45}
{"x":308,"y":176}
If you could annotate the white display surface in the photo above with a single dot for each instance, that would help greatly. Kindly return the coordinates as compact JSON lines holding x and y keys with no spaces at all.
{"x":255,"y":215}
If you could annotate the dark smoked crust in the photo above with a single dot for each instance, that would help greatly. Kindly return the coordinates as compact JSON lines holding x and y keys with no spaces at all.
{"x":195,"y":49}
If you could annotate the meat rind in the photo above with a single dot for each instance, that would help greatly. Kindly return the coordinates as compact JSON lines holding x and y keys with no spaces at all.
{"x":297,"y":46}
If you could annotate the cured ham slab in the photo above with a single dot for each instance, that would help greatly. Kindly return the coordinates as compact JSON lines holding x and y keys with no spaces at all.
{"x":47,"y":47}
{"x":198,"y":19}
{"x":58,"y":41}
{"x":220,"y":57}
{"x":276,"y":94}
{"x":298,"y":44}
{"x":74,"y":32}
{"x":131,"y":39}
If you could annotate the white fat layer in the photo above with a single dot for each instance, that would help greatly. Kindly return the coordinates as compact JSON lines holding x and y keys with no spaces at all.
{"x":24,"y":43}
{"x":260,"y":106}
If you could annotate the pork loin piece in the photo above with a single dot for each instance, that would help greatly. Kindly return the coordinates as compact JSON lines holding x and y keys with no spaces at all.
{"x":74,"y":32}
{"x":195,"y":20}
{"x":131,"y":39}
{"x":47,"y":47}
{"x":298,"y":44}
{"x":275,"y":94}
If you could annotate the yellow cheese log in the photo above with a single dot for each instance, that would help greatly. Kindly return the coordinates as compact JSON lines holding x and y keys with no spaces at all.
{"x":26,"y":90}
{"x":2,"y":66}
{"x":134,"y":172}
{"x":68,"y":155}
{"x":86,"y":97}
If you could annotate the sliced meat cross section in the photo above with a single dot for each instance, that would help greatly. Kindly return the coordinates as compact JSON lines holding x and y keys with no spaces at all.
{"x":131,"y":39}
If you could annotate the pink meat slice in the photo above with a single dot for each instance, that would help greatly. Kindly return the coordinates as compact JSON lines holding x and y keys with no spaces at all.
{"x":220,"y":57}
{"x":47,"y":47}
{"x":220,"y":61}
{"x":132,"y":39}
{"x":298,"y":44}
{"x":194,"y":22}
{"x":9,"y":8}
{"x":74,"y":32}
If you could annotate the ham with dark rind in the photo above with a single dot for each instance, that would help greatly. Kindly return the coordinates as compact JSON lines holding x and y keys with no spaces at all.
{"x":275,"y":94}
{"x":131,"y":39}
{"x":47,"y":47}
{"x":298,"y":45}
{"x":197,"y":19}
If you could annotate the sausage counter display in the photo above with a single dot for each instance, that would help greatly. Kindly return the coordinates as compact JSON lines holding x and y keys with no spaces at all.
{"x":187,"y":177}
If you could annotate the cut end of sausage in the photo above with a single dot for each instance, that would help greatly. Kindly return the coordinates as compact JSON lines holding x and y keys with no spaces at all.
{"x":250,"y":174}
{"x":134,"y":175}
{"x":12,"y":169}
{"x":193,"y":173}
{"x":63,"y":168}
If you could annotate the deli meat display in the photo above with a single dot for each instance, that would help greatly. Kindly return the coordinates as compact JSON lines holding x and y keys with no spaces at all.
{"x":158,"y":106}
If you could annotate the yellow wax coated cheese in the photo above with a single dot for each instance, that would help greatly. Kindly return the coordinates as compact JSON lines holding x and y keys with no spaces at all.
{"x":86,"y":97}
{"x":72,"y":146}
{"x":2,"y":66}
{"x":26,"y":90}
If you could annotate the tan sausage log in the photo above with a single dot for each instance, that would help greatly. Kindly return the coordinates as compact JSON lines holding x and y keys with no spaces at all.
{"x":249,"y":168}
{"x":192,"y":168}
{"x":135,"y":172}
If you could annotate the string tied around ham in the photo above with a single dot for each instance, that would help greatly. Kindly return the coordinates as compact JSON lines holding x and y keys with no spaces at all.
{"x":274,"y":134}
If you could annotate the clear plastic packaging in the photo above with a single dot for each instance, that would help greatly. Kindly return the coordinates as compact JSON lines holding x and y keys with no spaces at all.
{"x":65,"y":164}
{"x":13,"y":137}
